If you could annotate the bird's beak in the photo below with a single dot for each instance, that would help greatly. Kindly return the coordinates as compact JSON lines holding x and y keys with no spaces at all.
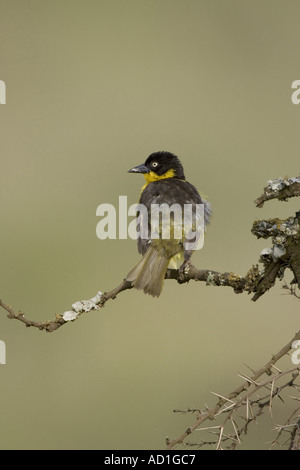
{"x":139,"y":169}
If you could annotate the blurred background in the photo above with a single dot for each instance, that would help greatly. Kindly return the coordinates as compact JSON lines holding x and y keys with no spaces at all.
{"x":94,"y":87}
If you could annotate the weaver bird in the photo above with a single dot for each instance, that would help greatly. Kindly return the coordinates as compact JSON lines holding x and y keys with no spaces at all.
{"x":169,"y":235}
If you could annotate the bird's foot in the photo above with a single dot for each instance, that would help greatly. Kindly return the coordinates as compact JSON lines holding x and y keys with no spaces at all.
{"x":183,"y":271}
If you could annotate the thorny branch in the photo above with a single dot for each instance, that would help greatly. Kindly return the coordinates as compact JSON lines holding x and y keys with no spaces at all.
{"x":283,"y":254}
{"x":292,"y":428}
{"x":248,"y":403}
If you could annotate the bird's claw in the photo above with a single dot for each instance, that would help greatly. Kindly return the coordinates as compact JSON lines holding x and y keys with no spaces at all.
{"x":183,"y":271}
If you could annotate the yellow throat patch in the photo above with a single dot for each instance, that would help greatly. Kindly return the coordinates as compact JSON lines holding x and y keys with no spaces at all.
{"x":151,"y":177}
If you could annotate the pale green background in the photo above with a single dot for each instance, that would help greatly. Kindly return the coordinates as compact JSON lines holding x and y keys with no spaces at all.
{"x":93,"y":87}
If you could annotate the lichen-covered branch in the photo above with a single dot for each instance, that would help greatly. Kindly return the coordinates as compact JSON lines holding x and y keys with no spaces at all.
{"x":283,"y":254}
{"x":281,"y":189}
{"x":238,"y":283}
{"x":285,"y":235}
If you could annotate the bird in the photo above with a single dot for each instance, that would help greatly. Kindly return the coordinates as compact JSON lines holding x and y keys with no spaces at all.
{"x":166,"y":242}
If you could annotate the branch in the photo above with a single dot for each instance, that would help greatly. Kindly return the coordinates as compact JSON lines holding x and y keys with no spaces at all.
{"x":291,"y":426}
{"x":47,"y":326}
{"x":244,"y":392}
{"x":285,"y":253}
{"x":238,"y":283}
{"x":281,"y":189}
{"x":295,"y":438}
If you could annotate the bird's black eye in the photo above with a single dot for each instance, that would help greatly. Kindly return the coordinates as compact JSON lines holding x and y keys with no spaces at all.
{"x":154,"y":164}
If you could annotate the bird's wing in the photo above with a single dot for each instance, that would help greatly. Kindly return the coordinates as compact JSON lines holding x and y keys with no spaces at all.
{"x":188,"y":226}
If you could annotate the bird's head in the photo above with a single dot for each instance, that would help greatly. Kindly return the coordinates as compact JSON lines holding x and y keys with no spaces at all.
{"x":160,"y":165}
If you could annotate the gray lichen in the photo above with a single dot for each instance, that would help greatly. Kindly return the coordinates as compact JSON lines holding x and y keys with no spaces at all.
{"x":275,"y":252}
{"x":280,"y":183}
{"x":280,"y":230}
{"x":210,"y":281}
{"x":83,"y":306}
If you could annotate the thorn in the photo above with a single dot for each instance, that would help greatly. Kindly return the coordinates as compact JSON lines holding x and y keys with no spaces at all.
{"x":220,"y":438}
{"x":235,"y":430}
{"x":223,"y":398}
{"x":271,"y":398}
{"x":248,"y":379}
{"x":252,"y":370}
{"x":276,"y":368}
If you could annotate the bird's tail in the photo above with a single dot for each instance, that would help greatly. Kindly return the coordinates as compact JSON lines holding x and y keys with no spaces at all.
{"x":148,"y":275}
